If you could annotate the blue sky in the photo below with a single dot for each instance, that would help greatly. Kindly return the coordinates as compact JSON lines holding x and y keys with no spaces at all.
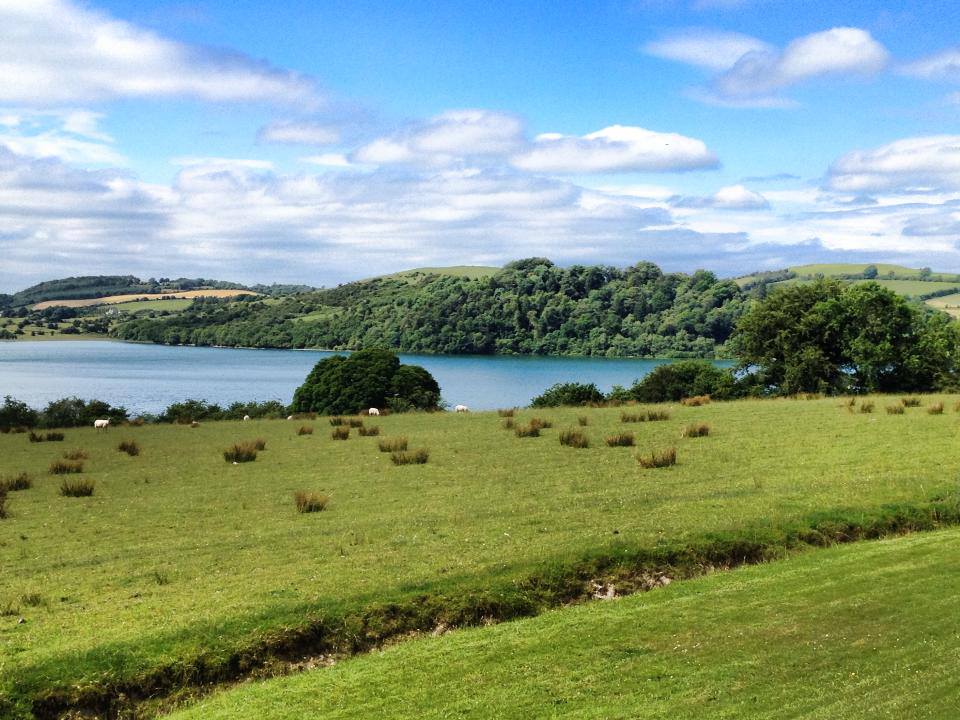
{"x":321,"y":142}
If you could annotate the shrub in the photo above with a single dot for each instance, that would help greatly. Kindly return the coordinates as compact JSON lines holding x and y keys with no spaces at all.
{"x":541,"y":423}
{"x":568,"y":394}
{"x":895,"y":410}
{"x":189,"y":411}
{"x":695,"y":430}
{"x":866,"y":407}
{"x":337,"y":421}
{"x":411,"y":457}
{"x":620,"y":440}
{"x":355,"y":422}
{"x":340,"y":433}
{"x":3,"y":504}
{"x":507,"y":413}
{"x":371,"y":431}
{"x":574,"y":438}
{"x":305,"y":430}
{"x":582,"y":420}
{"x":935,"y":409}
{"x":66,"y":467}
{"x":309,"y":502}
{"x":256,"y":410}
{"x":392,"y":444}
{"x":76,"y":487}
{"x":76,"y":454}
{"x":695,"y":401}
{"x":910,"y":402}
{"x":658,"y":459}
{"x":240,"y":452}
{"x":530,"y":430}
{"x":260,"y":444}
{"x":74,"y":412}
{"x":14,"y":413}
{"x":688,"y":378}
{"x":130,"y":447}
{"x":18,"y":482}
{"x":508,"y":423}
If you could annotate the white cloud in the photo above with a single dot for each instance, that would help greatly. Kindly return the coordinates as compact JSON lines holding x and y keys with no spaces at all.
{"x":618,"y":148}
{"x":57,"y":51}
{"x":447,"y":137}
{"x":910,"y":164}
{"x":944,"y":66}
{"x":328,"y":159}
{"x":711,"y":49}
{"x":732,"y":197}
{"x":299,"y":133}
{"x":71,"y":135}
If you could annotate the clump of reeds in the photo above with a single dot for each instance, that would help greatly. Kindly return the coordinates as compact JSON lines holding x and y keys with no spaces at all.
{"x":895,"y":410}
{"x":530,"y":430}
{"x":866,"y":406}
{"x":540,"y":423}
{"x":76,"y":487}
{"x":410,"y":457}
{"x":623,"y":439}
{"x":645,"y":416}
{"x":935,"y":409}
{"x":260,"y":444}
{"x":309,"y":502}
{"x":23,"y":481}
{"x":137,"y":422}
{"x":695,"y":430}
{"x":658,"y":458}
{"x":341,"y":432}
{"x":46,"y":437}
{"x":66,"y":467}
{"x":130,"y":447}
{"x":574,"y":438}
{"x":392,"y":444}
{"x":76,"y":454}
{"x":305,"y":430}
{"x":695,"y":401}
{"x":194,"y":424}
{"x":337,"y":421}
{"x":4,"y":513}
{"x":355,"y":422}
{"x":240,"y":452}
{"x":371,"y":431}
{"x":508,"y":423}
{"x":583,"y":420}
{"x":910,"y":401}
{"x":506,"y":413}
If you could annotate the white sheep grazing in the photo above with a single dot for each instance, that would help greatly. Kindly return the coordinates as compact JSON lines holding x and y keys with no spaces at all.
{"x":373,"y":411}
{"x":289,"y":417}
{"x":461,"y":408}
{"x":246,"y":417}
{"x":101,"y":424}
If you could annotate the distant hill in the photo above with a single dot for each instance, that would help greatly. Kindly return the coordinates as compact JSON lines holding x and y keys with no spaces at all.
{"x":100,"y":286}
{"x":466,"y":271}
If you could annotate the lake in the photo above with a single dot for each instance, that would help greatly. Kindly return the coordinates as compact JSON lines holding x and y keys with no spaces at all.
{"x":148,"y":378}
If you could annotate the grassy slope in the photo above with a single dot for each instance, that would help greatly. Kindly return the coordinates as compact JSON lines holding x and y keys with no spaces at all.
{"x":863,"y":631}
{"x":179,"y":552}
{"x":950,"y":304}
{"x":468,"y":271}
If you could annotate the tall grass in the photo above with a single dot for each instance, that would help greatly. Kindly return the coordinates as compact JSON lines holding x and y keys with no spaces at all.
{"x":508,"y":423}
{"x":76,"y":454}
{"x":410,"y":457}
{"x":866,"y":406}
{"x":23,"y":481}
{"x":46,"y":437}
{"x":506,"y":413}
{"x":935,"y":409}
{"x":895,"y":409}
{"x":337,"y":421}
{"x":695,"y":430}
{"x":371,"y":431}
{"x":583,"y":420}
{"x":524,"y":431}
{"x":355,"y":422}
{"x":4,"y":513}
{"x":66,"y":467}
{"x":574,"y":438}
{"x":658,"y":458}
{"x":240,"y":452}
{"x":695,"y":401}
{"x":76,"y":487}
{"x":305,"y":430}
{"x":622,"y":439}
{"x":130,"y":447}
{"x":910,"y":401}
{"x":540,"y":423}
{"x":341,"y":432}
{"x":260,"y":444}
{"x":393,"y":444}
{"x":645,"y":416}
{"x":310,"y":502}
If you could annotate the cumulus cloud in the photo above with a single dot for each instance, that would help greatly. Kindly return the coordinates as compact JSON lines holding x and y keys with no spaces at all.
{"x":446,"y":137}
{"x":72,"y":135}
{"x":943,"y":66}
{"x":732,"y":197}
{"x":57,"y":51}
{"x":299,"y":133}
{"x":618,"y":148}
{"x":755,"y":77}
{"x":910,"y":164}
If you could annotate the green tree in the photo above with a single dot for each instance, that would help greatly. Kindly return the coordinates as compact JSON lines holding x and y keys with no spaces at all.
{"x":568,"y":394}
{"x":687,"y":378}
{"x":870,"y":272}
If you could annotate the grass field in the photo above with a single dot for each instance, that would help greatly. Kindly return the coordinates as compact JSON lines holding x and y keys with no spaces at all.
{"x":949,"y":304}
{"x":173,"y":305}
{"x":862,"y":631}
{"x":179,"y":555}
{"x":467,"y":271}
{"x":907,"y":288}
{"x":117,"y":299}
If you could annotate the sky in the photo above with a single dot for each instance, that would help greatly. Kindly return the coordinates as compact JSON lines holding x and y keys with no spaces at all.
{"x":321,"y":142}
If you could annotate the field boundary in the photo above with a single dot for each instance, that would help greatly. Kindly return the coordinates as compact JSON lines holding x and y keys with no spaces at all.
{"x":619,"y":569}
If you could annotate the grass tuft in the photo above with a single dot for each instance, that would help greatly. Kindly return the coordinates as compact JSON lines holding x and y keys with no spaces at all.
{"x":622,"y":439}
{"x":240,"y":452}
{"x":508,"y":423}
{"x":696,"y":401}
{"x":935,"y":409}
{"x":645,"y":416}
{"x":530,"y":430}
{"x":76,"y":454}
{"x":310,"y":502}
{"x":46,"y":437}
{"x":392,"y":444}
{"x":540,"y":423}
{"x":866,"y":407}
{"x":583,"y":420}
{"x":76,"y":487}
{"x":574,"y":438}
{"x":337,"y":421}
{"x":410,"y":457}
{"x":130,"y":447}
{"x":910,"y":401}
{"x":658,"y":458}
{"x":695,"y":430}
{"x":506,"y":413}
{"x":66,"y":467}
{"x":355,"y":422}
{"x":341,"y":432}
{"x":23,"y":481}
{"x":4,"y":512}
{"x":895,"y":409}
{"x":371,"y":431}
{"x":305,"y":430}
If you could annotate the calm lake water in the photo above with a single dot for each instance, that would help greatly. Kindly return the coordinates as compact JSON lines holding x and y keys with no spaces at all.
{"x":147,"y":378}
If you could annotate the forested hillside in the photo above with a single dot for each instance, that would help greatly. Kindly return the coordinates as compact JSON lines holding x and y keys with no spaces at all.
{"x":530,"y":306}
{"x":96,"y":286}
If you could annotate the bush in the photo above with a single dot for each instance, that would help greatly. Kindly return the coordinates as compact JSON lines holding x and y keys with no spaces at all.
{"x":272,"y":409}
{"x":189,"y":411}
{"x":910,"y":402}
{"x":392,"y":444}
{"x":371,"y":431}
{"x":340,"y":433}
{"x":895,"y":410}
{"x":530,"y":430}
{"x":695,"y":401}
{"x":658,"y":459}
{"x":695,"y":430}
{"x":74,"y":412}
{"x":935,"y":409}
{"x":620,"y":440}
{"x":574,"y":438}
{"x":76,"y":454}
{"x":508,"y":423}
{"x":66,"y":467}
{"x":582,"y":420}
{"x":23,"y":481}
{"x":76,"y":487}
{"x":309,"y":502}
{"x":507,"y":413}
{"x":568,"y":394}
{"x":130,"y":447}
{"x":685,"y":379}
{"x":14,"y":413}
{"x":240,"y":452}
{"x":866,"y":407}
{"x":305,"y":430}
{"x":367,"y":378}
{"x":412,"y":457}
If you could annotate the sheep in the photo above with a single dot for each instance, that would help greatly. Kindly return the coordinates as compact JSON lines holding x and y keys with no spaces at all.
{"x":461,"y":409}
{"x":246,"y":417}
{"x":373,"y":411}
{"x":101,"y":424}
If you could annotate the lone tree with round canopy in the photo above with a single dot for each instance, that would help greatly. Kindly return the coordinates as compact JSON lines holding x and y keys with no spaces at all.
{"x":367,"y":378}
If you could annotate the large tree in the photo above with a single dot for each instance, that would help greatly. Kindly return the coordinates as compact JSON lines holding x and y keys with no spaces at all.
{"x":830,"y":337}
